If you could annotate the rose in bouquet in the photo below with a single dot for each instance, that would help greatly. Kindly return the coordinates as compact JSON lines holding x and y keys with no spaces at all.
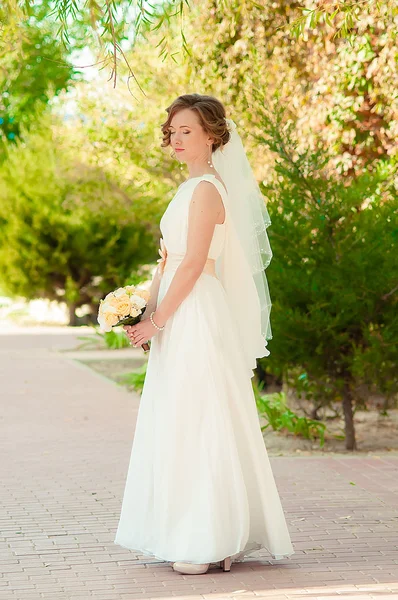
{"x":124,"y":306}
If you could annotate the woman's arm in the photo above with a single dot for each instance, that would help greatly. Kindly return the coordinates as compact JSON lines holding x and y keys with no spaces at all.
{"x":206,"y":204}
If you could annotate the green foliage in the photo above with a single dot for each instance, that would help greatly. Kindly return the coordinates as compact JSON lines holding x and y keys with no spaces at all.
{"x":308,"y":388}
{"x":32,"y":73}
{"x":110,"y":27}
{"x":333,"y":273}
{"x":113,"y":340}
{"x":69,"y":231}
{"x":279,"y":416}
{"x":342,"y":92}
{"x":136,"y":378}
{"x":344,"y":18}
{"x":376,"y":362}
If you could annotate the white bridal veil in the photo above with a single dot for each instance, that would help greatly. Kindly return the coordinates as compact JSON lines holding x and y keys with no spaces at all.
{"x":247,"y":252}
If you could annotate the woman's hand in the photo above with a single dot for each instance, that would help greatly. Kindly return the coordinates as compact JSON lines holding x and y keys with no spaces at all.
{"x":140,"y":332}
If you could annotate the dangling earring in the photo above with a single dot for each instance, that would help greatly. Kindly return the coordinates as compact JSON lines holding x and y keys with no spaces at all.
{"x":209,"y":161}
{"x":173,"y":154}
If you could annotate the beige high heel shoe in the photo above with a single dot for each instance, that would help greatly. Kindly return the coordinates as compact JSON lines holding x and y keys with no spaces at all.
{"x":199,"y":569}
{"x":225,"y":564}
{"x":190,"y":568}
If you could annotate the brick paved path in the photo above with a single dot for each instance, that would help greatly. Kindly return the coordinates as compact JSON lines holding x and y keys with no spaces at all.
{"x":65,"y":446}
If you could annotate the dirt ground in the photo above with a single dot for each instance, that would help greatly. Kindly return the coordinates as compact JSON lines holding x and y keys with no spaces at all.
{"x":374,"y":432}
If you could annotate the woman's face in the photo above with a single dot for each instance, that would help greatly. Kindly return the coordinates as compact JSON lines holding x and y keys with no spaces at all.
{"x":188,"y":139}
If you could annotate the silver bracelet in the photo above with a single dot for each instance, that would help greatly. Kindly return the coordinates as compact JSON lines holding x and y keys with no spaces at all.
{"x":153,"y":322}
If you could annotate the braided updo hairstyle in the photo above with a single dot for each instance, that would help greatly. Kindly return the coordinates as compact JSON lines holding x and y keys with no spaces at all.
{"x":211,"y":114}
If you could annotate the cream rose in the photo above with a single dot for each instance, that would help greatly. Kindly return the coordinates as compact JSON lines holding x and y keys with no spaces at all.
{"x":122,"y":305}
{"x":107,"y":317}
{"x":119,"y":292}
{"x":137,"y":301}
{"x":143,"y":294}
{"x":105,"y":306}
{"x":116,"y":300}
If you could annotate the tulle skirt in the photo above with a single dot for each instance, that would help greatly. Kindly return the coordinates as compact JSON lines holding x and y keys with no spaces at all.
{"x":199,"y":485}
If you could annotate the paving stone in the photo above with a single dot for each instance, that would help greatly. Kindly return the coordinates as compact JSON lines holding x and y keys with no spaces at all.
{"x":62,"y":486}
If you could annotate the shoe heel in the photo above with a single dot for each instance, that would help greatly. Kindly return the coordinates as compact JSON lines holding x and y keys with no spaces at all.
{"x":226,"y":564}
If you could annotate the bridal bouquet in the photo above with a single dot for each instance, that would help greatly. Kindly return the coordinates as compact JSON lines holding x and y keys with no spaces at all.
{"x":124,"y":306}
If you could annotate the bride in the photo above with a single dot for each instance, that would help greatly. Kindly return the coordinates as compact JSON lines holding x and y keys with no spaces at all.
{"x":199,"y":487}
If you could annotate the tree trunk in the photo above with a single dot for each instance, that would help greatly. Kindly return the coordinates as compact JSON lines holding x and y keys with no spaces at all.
{"x":93,"y":316}
{"x":386,"y":405}
{"x":314,"y":413}
{"x":73,"y":320}
{"x":350,"y":441}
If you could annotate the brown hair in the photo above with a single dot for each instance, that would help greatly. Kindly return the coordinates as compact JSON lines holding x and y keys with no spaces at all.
{"x":211,"y":114}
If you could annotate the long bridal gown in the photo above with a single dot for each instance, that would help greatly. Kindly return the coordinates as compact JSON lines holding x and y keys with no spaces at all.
{"x":199,"y":485}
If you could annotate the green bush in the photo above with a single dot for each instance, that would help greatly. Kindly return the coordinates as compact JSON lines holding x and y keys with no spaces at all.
{"x":114,"y":340}
{"x":69,"y":232}
{"x":273,"y":407}
{"x":136,"y":378}
{"x":333,"y":273}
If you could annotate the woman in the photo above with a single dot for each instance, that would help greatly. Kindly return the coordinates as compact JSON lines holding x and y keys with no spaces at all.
{"x":199,"y":487}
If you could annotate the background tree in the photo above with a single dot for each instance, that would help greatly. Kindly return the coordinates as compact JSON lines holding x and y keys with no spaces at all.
{"x":70,"y":232}
{"x":339,"y":90}
{"x":333,"y":275}
{"x":32,"y":72}
{"x":111,"y":24}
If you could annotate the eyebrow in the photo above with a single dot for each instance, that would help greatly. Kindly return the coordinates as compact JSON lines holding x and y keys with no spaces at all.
{"x":181,"y":126}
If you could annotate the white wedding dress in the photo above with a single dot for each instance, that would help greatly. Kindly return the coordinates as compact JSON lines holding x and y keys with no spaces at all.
{"x":199,"y":486}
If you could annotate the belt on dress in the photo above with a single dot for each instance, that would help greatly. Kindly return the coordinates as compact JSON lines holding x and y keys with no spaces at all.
{"x":173,"y":260}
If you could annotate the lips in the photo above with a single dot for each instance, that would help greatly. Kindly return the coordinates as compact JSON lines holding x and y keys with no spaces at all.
{"x":179,"y":149}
